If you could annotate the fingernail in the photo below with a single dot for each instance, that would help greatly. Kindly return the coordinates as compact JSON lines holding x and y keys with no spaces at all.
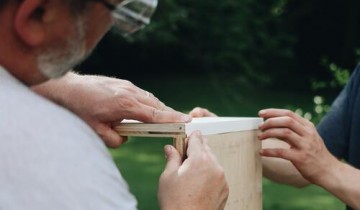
{"x":168,"y":150}
{"x":260,"y":134}
{"x":185,"y":118}
{"x":261,"y":112}
{"x":260,"y":125}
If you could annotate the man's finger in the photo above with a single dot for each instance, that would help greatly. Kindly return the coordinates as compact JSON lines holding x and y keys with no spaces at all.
{"x":201,"y":112}
{"x":270,"y":113}
{"x":111,"y":138}
{"x":150,"y":100}
{"x":283,"y":122}
{"x":195,"y":144}
{"x":286,"y":154}
{"x":150,"y":114}
{"x":173,"y":159}
{"x":283,"y":134}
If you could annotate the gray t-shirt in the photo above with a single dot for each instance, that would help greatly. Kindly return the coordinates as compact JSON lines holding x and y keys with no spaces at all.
{"x":51,"y":159}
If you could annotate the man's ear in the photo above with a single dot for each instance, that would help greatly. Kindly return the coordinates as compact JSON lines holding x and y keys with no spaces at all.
{"x":29,"y":22}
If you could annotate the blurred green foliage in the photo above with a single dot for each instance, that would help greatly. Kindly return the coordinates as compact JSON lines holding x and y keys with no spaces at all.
{"x":321,"y":104}
{"x":274,"y":43}
{"x":242,"y":37}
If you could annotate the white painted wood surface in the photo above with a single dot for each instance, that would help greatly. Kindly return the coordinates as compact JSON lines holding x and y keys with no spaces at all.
{"x":207,"y":125}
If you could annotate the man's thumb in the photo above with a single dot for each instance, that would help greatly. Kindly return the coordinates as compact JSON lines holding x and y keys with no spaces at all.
{"x":173,"y":158}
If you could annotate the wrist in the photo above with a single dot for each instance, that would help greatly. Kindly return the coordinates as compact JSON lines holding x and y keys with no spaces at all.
{"x":333,"y":176}
{"x":56,"y":90}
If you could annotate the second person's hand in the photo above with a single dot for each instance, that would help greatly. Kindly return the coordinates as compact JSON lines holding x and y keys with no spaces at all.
{"x":307,"y":150}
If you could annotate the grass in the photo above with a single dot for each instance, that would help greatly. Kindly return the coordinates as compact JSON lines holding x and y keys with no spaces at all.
{"x":141,"y":160}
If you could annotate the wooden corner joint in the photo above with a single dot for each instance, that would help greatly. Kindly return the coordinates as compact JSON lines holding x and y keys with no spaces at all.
{"x":180,"y":145}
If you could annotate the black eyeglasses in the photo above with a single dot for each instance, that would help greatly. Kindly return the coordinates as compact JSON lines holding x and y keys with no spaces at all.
{"x":131,"y":15}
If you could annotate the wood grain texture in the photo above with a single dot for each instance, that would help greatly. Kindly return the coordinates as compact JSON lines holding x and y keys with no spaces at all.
{"x":238,"y":153}
{"x":180,"y":145}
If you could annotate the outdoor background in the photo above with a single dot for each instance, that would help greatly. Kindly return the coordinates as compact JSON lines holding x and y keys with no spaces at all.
{"x":234,"y":57}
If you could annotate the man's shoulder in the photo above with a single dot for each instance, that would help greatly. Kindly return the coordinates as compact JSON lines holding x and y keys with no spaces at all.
{"x":27,"y":108}
{"x":17,"y":99}
{"x":56,"y":154}
{"x":26,"y":114}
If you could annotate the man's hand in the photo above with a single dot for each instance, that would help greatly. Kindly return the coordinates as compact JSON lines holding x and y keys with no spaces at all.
{"x":197,"y":183}
{"x":307,"y":150}
{"x":103,"y":102}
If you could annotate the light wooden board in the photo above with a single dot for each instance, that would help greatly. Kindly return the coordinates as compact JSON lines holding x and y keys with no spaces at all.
{"x":238,"y":153}
{"x":207,"y":126}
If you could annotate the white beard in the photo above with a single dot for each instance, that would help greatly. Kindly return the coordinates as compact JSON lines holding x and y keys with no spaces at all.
{"x":55,"y":62}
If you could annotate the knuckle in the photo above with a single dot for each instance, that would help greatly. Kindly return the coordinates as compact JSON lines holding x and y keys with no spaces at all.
{"x":289,"y":113}
{"x":312,"y":133}
{"x":289,"y":121}
{"x":312,"y":125}
{"x":160,"y":105}
{"x":155,"y":114}
{"x":219,"y":175}
{"x":199,"y":110}
{"x":279,"y":153}
{"x":153,"y":96}
{"x":269,"y":122}
{"x":286,"y":132}
{"x":127,"y":83}
{"x":206,"y":160}
{"x":311,"y":129}
{"x":127,"y":102}
{"x":130,"y":89}
{"x":164,"y":176}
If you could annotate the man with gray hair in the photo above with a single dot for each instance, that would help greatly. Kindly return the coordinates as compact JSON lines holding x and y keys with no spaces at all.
{"x":49,"y":157}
